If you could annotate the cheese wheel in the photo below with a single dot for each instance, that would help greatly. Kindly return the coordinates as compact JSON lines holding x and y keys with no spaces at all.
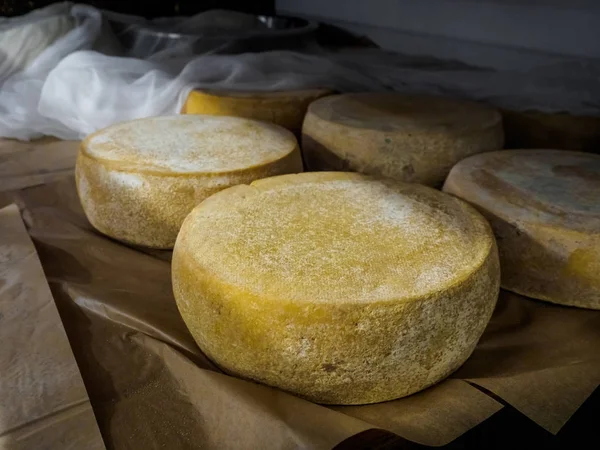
{"x":409,"y":138}
{"x":544,"y":207}
{"x":138,"y":180}
{"x":334,"y":286}
{"x":534,"y":129}
{"x":284,"y":108}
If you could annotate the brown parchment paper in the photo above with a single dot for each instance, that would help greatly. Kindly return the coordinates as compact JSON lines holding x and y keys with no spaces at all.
{"x":542,"y":359}
{"x":151,"y":387}
{"x":44,"y":404}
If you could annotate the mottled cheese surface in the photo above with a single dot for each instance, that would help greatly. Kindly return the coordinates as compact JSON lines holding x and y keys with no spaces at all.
{"x":336,"y":286}
{"x":409,"y":138}
{"x":187,"y":144}
{"x":138,"y":180}
{"x":544,"y":206}
{"x":416,"y":113}
{"x":364,"y":241}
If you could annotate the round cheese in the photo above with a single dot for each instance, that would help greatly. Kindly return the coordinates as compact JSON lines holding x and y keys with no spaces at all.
{"x":534,"y":129}
{"x":284,"y":108}
{"x":409,"y":138}
{"x":334,"y":286}
{"x":544,"y":207}
{"x":138,"y":180}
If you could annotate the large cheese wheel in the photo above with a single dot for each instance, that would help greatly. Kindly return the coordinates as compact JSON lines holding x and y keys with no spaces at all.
{"x":544,"y":207}
{"x":284,"y":108}
{"x":405,"y":137}
{"x":534,"y":129}
{"x":335,"y":286}
{"x":138,"y":180}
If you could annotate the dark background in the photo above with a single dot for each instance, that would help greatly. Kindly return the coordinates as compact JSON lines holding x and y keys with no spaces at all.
{"x":148,"y":8}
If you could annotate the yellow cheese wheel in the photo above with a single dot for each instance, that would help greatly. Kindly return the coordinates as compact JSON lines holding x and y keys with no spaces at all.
{"x":534,"y":129}
{"x":409,"y":138}
{"x":284,"y":108}
{"x":544,"y":207}
{"x":335,"y":286}
{"x":138,"y":180}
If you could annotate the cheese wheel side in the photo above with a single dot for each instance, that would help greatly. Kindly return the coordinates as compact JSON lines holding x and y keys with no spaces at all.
{"x":540,"y":204}
{"x":561,"y":131}
{"x":148,"y":209}
{"x":283,"y":108}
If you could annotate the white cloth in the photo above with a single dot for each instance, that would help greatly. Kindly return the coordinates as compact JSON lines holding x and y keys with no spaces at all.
{"x":22,"y":41}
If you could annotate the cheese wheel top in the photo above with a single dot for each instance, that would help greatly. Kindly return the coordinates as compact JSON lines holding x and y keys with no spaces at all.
{"x":399,"y":112}
{"x":190,"y":144}
{"x":335,"y":237}
{"x":545,"y":186}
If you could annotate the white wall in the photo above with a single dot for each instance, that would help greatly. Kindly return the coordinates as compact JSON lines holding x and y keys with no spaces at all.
{"x":495,"y":33}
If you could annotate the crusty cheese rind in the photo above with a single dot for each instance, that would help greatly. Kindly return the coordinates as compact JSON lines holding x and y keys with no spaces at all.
{"x":283,"y":108}
{"x":548,"y":250}
{"x":142,"y":203}
{"x":328,"y":348}
{"x":336,"y":135}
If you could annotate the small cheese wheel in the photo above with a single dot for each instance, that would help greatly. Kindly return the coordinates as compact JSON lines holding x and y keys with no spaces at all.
{"x":334,"y":286}
{"x":406,"y":137}
{"x":284,"y":108}
{"x":560,"y":131}
{"x":138,"y":180}
{"x":544,"y":207}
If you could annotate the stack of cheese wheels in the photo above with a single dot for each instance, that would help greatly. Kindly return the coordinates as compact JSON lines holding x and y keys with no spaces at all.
{"x":405,"y":137}
{"x":138,"y":180}
{"x":337,"y":287}
{"x":284,"y":108}
{"x":544,"y":207}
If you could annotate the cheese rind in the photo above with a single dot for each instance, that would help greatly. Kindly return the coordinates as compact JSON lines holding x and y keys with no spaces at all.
{"x":334,"y":286}
{"x":544,"y":208}
{"x":283,"y":108}
{"x":405,"y":137}
{"x":138,"y":180}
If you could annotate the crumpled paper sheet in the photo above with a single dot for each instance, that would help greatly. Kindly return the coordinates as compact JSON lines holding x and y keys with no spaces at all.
{"x":542,"y":359}
{"x":150,"y":386}
{"x":44,"y":402}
